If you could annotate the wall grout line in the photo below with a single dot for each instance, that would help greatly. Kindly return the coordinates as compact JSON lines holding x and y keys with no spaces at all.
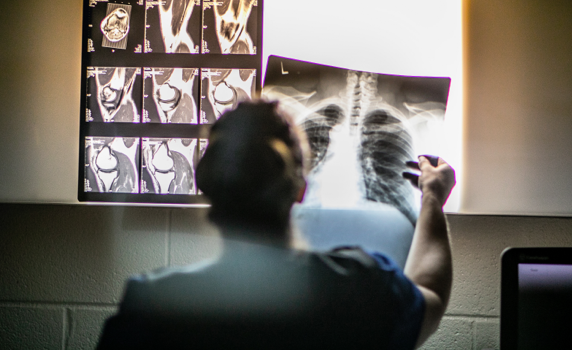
{"x":36,"y":304}
{"x":71,"y":304}
{"x":472,"y":316}
{"x":474,"y":338}
{"x":65,"y":328}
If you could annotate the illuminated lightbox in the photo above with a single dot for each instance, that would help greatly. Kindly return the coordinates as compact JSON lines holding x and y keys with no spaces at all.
{"x":155,"y":76}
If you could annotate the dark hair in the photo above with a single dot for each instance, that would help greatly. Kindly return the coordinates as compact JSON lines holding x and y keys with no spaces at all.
{"x":252,"y":169}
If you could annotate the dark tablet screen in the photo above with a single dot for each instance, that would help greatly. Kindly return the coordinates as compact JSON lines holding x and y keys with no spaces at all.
{"x":536,"y":298}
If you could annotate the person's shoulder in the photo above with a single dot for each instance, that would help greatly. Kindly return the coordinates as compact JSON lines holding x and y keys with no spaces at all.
{"x":160,"y":283}
{"x":352,"y":254}
{"x":349,"y":260}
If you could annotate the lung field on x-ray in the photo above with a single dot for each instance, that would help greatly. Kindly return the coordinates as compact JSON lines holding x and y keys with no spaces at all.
{"x":317,"y":128}
{"x":385,"y":147}
{"x":362,"y":129}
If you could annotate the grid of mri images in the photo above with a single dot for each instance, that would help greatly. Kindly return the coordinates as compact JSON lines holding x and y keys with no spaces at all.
{"x":157,"y":75}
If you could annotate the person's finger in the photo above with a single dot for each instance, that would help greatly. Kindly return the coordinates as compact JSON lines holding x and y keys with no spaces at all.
{"x":412,"y":165}
{"x":413,"y":178}
{"x":424,"y":163}
{"x":434,"y":160}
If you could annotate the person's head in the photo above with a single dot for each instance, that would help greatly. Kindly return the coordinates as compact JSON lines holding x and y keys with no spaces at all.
{"x":252,"y":170}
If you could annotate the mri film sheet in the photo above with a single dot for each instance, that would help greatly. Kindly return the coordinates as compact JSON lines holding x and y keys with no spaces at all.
{"x":111,"y":164}
{"x":170,"y":95}
{"x":362,"y":127}
{"x":203,"y":144}
{"x":115,"y":26}
{"x":173,"y":26}
{"x":113,"y":94}
{"x":223,"y":89}
{"x":230,"y":27}
{"x":168,"y":166}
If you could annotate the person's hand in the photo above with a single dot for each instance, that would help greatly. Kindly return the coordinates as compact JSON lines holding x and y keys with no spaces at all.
{"x":436,"y":180}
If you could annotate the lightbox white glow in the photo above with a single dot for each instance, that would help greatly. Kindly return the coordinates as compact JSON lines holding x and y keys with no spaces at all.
{"x":410,"y":37}
{"x":40,"y":134}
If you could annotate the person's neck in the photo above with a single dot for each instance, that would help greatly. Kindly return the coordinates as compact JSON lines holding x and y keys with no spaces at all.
{"x":276,"y":237}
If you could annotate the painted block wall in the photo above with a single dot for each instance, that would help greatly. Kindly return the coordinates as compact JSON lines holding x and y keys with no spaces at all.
{"x":62,"y":267}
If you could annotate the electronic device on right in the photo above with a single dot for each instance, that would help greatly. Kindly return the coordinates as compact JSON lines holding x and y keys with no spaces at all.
{"x":536,"y":298}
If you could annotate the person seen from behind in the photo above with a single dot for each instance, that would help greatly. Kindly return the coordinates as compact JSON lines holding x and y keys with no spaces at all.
{"x":263,"y":294}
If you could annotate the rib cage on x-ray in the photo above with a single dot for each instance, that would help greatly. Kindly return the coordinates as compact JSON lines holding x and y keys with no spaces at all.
{"x":382,"y":143}
{"x":360,"y":127}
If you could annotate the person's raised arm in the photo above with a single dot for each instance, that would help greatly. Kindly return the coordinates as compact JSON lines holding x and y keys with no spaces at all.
{"x":429,"y":264}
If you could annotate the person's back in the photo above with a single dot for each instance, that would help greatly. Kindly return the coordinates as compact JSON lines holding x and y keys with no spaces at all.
{"x":262,"y":294}
{"x":261,"y":297}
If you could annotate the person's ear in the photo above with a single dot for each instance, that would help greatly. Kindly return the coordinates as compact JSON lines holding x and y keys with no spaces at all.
{"x":301,"y":193}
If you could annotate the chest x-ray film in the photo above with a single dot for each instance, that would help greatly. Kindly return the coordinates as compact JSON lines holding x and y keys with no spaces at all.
{"x":362,"y":127}
{"x":168,"y":166}
{"x":115,"y":26}
{"x":229,"y":26}
{"x":170,"y":95}
{"x":172,"y":26}
{"x":112,"y":164}
{"x":223,"y":89}
{"x":113,"y":94}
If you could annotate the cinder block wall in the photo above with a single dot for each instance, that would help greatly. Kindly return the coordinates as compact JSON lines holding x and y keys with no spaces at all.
{"x":62,"y":267}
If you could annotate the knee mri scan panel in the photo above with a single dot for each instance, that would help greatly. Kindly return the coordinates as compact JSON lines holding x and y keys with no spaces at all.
{"x":143,"y":70}
{"x":168,"y":166}
{"x":230,"y":27}
{"x":170,"y":95}
{"x":113,"y":94}
{"x":115,"y":25}
{"x":362,"y":127}
{"x":112,"y":164}
{"x":173,"y":26}
{"x":203,"y":144}
{"x":223,"y":89}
